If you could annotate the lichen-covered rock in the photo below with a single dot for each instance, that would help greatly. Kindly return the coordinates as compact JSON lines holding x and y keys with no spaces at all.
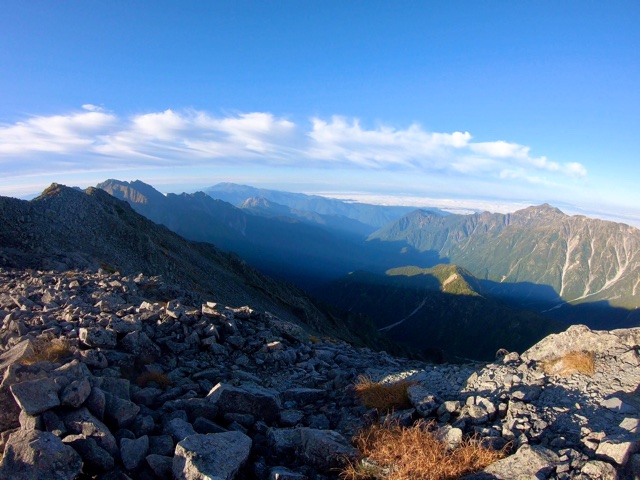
{"x":216,"y":455}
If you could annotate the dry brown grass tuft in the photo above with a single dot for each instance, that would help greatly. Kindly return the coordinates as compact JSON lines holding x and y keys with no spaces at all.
{"x":415,"y":453}
{"x":570,"y":363}
{"x":382,"y":396}
{"x":161,"y":379}
{"x":49,"y":350}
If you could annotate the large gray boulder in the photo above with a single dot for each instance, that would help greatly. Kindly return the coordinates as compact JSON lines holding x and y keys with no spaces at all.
{"x":36,"y":396}
{"x":527,"y":463}
{"x":581,"y":338}
{"x":211,"y":456}
{"x":260,"y":402}
{"x":33,"y":454}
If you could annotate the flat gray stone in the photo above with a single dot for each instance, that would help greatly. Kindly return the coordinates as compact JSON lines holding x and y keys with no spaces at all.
{"x":263,"y":404}
{"x":527,"y":463}
{"x":36,"y":396}
{"x":215,"y":456}
{"x":600,"y":470}
{"x":618,"y":448}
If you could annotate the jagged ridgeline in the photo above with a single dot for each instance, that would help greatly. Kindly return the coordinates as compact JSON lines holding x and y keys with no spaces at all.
{"x":67,"y":228}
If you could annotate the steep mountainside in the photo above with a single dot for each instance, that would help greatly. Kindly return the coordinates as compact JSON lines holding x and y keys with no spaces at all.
{"x":65,"y":228}
{"x":289,"y":248}
{"x":439,"y":308}
{"x":372,"y":215}
{"x":279,"y":245}
{"x":582,"y":259}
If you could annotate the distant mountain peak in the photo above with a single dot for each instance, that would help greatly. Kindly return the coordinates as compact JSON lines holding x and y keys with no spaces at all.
{"x":540,"y":210}
{"x":136,"y":191}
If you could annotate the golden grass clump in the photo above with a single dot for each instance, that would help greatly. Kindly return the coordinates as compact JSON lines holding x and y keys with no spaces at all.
{"x":49,"y":350}
{"x":382,"y":396}
{"x":570,"y":363}
{"x":415,"y":453}
{"x":159,"y":378}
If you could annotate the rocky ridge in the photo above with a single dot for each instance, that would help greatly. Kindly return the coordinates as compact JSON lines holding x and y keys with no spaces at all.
{"x":144,"y":389}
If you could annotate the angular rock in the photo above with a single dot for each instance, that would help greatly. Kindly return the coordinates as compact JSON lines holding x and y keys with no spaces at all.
{"x":133,"y":452}
{"x":422,"y":400}
{"x":598,"y":470}
{"x":30,"y":455}
{"x":161,"y":445}
{"x":120,"y":411}
{"x":618,"y":448}
{"x":96,"y":459}
{"x":75,"y":393}
{"x":16,"y":353}
{"x":28,"y":422}
{"x":82,"y":422}
{"x":283,"y":440}
{"x":527,"y":463}
{"x":98,"y":337}
{"x":161,"y":465}
{"x":263,"y":404}
{"x":36,"y":396}
{"x":216,"y":455}
{"x":325,"y":449}
{"x":179,"y":429}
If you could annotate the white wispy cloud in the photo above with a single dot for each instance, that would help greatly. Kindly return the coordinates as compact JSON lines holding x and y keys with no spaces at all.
{"x":94,"y":139}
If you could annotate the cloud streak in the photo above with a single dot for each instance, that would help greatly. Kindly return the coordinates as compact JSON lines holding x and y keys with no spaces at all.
{"x":95,"y":139}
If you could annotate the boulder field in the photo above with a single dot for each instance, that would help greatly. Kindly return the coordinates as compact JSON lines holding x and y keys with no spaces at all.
{"x":104,"y":377}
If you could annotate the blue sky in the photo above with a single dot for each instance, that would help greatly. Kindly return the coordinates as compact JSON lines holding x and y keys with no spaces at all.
{"x":481,"y":104}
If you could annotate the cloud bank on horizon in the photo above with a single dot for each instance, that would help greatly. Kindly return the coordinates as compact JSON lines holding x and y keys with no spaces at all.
{"x":93,"y":139}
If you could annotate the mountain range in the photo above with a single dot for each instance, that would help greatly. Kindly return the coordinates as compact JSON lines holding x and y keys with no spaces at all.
{"x":305,"y":247}
{"x":372,"y":215}
{"x":582,"y":259}
{"x":436,"y":282}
